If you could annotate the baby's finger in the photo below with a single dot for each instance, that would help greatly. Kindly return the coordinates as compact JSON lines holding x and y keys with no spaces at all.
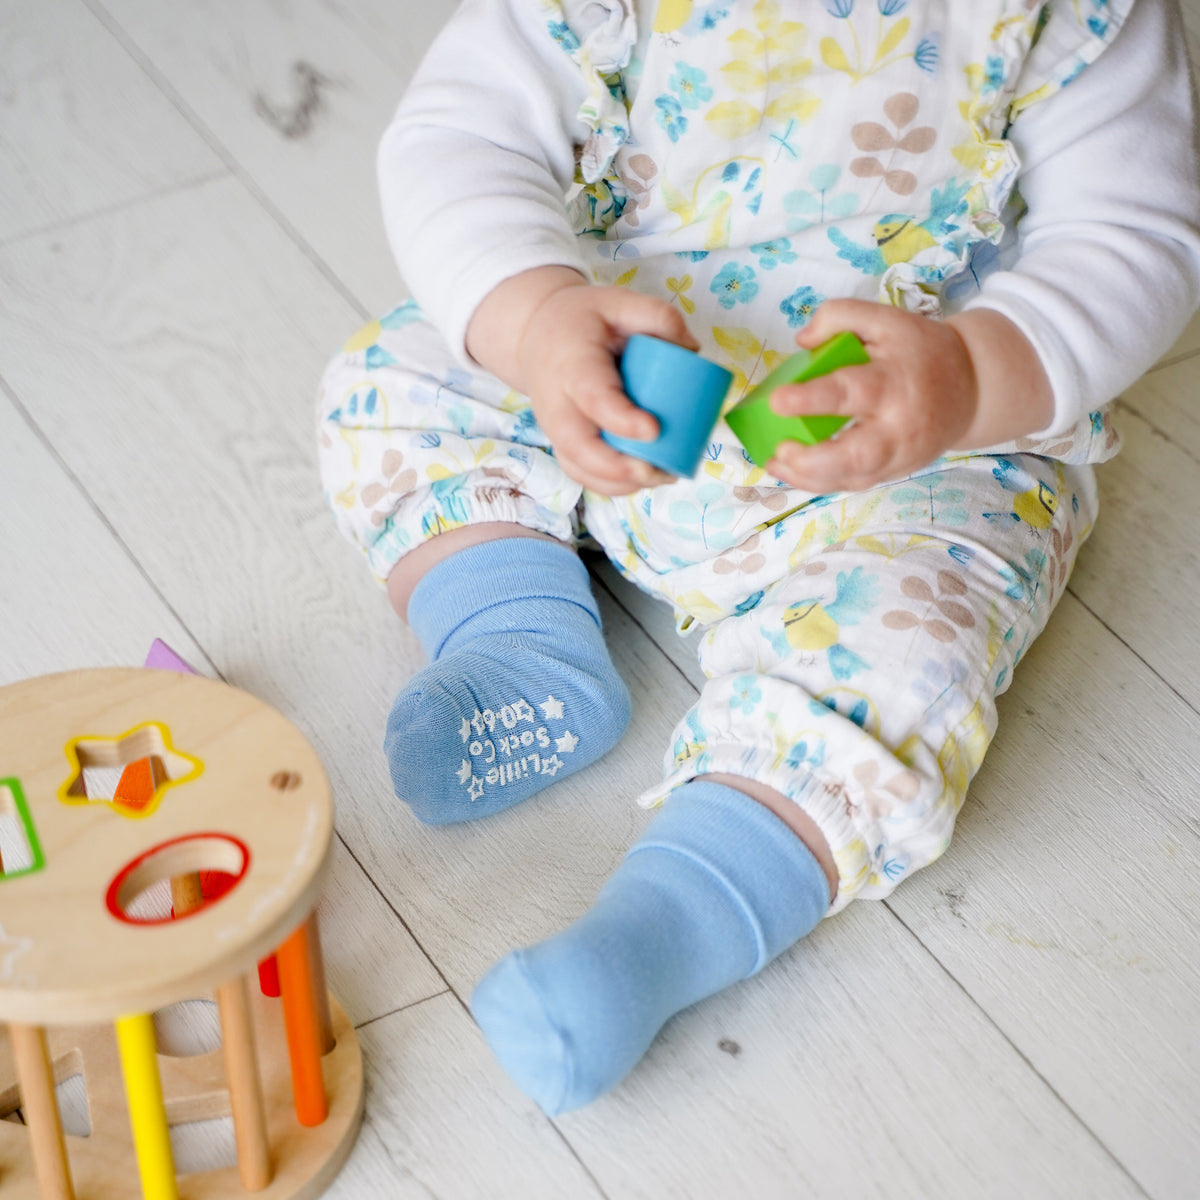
{"x":851,"y":461}
{"x":847,"y":392}
{"x":629,"y":312}
{"x":595,"y":389}
{"x":602,"y":467}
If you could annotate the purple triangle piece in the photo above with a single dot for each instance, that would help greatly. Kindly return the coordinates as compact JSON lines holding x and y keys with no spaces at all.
{"x":165,"y":659}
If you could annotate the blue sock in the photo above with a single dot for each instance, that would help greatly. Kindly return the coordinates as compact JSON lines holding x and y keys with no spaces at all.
{"x":714,"y":889}
{"x":520,"y":691}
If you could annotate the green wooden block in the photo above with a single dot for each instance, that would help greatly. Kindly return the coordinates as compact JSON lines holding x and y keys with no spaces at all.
{"x":761,"y":430}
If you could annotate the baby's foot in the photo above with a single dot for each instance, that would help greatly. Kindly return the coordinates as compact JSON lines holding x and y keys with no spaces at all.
{"x":521,"y":691}
{"x":714,"y":889}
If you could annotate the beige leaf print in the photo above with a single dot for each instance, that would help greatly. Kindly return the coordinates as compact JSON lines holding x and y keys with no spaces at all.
{"x":397,"y":482}
{"x":876,"y":139}
{"x":937,"y":605}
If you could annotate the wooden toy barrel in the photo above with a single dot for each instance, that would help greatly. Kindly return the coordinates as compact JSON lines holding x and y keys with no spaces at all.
{"x":226,"y":789}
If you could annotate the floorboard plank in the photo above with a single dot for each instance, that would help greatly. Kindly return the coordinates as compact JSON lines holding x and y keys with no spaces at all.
{"x":1066,"y":906}
{"x":440,"y":1122}
{"x":1140,"y":572}
{"x":298,"y":95}
{"x":84,"y":129}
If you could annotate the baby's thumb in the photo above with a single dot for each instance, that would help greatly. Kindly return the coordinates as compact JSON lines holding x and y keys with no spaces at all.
{"x":634,"y":313}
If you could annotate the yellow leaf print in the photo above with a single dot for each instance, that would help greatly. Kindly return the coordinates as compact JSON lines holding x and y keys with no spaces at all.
{"x":718,"y":230}
{"x":834,"y":56}
{"x":513,"y":401}
{"x":784,"y":38}
{"x":892,"y":38}
{"x":740,"y":343}
{"x":672,"y":15}
{"x":744,"y":76}
{"x":346,"y":497}
{"x":699,"y":606}
{"x":677,"y":287}
{"x":678,"y":203}
{"x":762,"y":60}
{"x":733,"y":118}
{"x":791,"y":71}
{"x":437,"y":471}
{"x":798,"y":103}
{"x":368,"y":335}
{"x":626,"y":279}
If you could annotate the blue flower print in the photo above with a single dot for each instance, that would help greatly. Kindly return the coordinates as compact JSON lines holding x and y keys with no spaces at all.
{"x":800,"y":306}
{"x":692,"y":255}
{"x":839,"y":8}
{"x":560,"y":31}
{"x":688,"y":84}
{"x":772,"y":254}
{"x":993,"y":75}
{"x":670,"y":117}
{"x":804,"y":754}
{"x":526,"y":431}
{"x":408,"y":312}
{"x":734,"y":285}
{"x":377,"y":356}
{"x":926,"y":55}
{"x":746,"y":693}
{"x":889,"y":8}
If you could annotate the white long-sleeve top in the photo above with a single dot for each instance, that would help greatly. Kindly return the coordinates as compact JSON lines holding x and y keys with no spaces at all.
{"x":742,"y":163}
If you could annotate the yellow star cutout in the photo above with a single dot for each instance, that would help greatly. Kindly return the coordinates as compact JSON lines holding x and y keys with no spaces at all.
{"x":151,"y":766}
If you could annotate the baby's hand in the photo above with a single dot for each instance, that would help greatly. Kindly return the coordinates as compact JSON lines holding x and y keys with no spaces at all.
{"x":566,"y":358}
{"x":915,"y":399}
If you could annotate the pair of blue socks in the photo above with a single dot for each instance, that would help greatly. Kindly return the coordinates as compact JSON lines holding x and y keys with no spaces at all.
{"x":521,"y":692}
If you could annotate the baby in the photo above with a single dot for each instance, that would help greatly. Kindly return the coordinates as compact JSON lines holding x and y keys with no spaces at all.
{"x":999,"y":197}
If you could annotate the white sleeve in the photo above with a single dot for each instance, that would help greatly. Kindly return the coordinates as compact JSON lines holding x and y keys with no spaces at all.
{"x":475,"y":167}
{"x":1107,"y":272}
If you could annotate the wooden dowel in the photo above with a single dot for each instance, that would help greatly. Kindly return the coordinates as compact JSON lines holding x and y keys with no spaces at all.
{"x":186,"y":893}
{"x":302,"y":1027}
{"x":36,"y":1078}
{"x":245,"y":1087}
{"x":147,"y":1114}
{"x":320,"y":987}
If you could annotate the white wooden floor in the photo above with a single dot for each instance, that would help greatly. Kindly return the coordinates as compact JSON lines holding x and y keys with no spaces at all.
{"x":188,"y":229}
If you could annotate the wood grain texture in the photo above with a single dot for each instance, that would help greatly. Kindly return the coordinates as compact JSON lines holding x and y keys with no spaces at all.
{"x":298,"y":96}
{"x":84,"y":129}
{"x":1066,"y":906}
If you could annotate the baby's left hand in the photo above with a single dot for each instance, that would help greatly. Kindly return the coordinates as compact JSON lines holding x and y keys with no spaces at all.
{"x":912,"y":402}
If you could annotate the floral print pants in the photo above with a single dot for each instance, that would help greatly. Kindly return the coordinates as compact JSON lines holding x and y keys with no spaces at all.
{"x":853,"y":644}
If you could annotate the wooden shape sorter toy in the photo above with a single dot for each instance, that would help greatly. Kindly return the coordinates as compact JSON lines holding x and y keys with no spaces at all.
{"x":115,"y":785}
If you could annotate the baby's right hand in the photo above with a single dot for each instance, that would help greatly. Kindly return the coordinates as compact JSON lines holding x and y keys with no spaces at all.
{"x":565,"y":360}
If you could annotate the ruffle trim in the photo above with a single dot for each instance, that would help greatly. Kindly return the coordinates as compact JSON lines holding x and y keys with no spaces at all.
{"x":599,"y":35}
{"x":1043,"y":46}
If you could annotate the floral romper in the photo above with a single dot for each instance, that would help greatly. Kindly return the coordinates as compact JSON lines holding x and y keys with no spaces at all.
{"x":746,"y":160}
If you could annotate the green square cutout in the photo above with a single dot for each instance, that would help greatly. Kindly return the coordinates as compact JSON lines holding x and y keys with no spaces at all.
{"x":12,"y":800}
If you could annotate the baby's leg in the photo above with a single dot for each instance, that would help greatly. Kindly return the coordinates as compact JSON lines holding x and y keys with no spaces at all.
{"x":443,"y":479}
{"x":860,"y":692}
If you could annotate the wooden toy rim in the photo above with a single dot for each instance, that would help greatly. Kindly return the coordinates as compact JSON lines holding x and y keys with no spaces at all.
{"x":64,"y":958}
